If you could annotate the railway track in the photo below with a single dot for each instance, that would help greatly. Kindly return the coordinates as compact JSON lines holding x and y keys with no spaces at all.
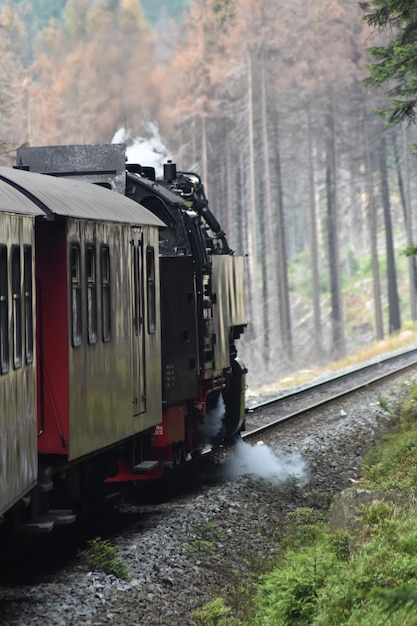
{"x":268,"y":414}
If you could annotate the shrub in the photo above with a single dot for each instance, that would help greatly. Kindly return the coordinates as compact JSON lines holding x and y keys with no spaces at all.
{"x":289,"y":594}
{"x":100,"y":555}
{"x":204,"y":539}
{"x":215,"y":613}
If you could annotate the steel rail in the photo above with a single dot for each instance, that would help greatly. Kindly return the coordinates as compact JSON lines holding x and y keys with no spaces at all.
{"x":334,"y":379}
{"x":332,"y":397}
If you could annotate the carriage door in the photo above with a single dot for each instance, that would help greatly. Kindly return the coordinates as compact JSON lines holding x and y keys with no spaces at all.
{"x":138,"y":344}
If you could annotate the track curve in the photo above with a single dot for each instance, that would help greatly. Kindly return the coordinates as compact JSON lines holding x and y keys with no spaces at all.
{"x":270,"y":413}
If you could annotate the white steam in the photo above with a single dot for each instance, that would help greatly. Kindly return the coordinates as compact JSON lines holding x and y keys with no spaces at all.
{"x":213,"y":420}
{"x":262,"y":462}
{"x":149,"y":151}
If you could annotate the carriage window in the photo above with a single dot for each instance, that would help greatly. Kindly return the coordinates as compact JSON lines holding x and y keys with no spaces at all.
{"x":17,"y":307}
{"x":138,"y":286}
{"x":4,"y":312}
{"x":151,"y":289}
{"x":28,"y":302}
{"x":90,"y":270}
{"x":75,"y":259}
{"x":105,"y":292}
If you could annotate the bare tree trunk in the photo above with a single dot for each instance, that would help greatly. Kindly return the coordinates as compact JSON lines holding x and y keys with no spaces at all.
{"x":251,"y":233}
{"x":194,"y":141}
{"x":338,"y":336}
{"x":204,"y":155}
{"x":405,"y":201}
{"x":229,"y":203}
{"x":410,"y":222}
{"x":241,"y":213}
{"x":283,"y":291}
{"x":393,"y":302}
{"x":269,"y":259}
{"x":373,"y":229}
{"x":314,"y":252}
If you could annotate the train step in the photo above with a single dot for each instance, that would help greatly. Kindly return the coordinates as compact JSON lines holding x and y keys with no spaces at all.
{"x":47,"y":522}
{"x":61,"y":517}
{"x":144,"y":467}
{"x":38,"y":527}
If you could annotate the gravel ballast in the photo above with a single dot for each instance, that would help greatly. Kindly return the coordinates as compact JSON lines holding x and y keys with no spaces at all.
{"x":184,"y":552}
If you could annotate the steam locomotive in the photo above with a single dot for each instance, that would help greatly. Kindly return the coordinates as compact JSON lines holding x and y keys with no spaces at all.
{"x":120,"y":306}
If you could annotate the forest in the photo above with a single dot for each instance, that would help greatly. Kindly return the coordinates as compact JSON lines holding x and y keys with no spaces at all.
{"x":268,"y":102}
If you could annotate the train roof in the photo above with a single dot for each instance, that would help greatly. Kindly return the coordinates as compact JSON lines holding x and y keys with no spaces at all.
{"x":38,"y":194}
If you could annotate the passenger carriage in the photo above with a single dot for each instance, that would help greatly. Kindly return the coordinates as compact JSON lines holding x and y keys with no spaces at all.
{"x":18,"y":427}
{"x":97,"y":368}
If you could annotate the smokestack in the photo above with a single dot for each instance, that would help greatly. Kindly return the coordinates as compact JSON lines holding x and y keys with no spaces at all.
{"x":170,"y":171}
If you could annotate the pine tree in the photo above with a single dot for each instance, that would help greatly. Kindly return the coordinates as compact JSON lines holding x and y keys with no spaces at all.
{"x":395,"y":61}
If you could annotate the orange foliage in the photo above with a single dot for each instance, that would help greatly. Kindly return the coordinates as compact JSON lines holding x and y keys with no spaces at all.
{"x":88,"y":86}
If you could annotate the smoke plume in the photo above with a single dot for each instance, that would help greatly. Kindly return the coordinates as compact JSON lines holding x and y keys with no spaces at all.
{"x":262,"y":462}
{"x":149,"y":151}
